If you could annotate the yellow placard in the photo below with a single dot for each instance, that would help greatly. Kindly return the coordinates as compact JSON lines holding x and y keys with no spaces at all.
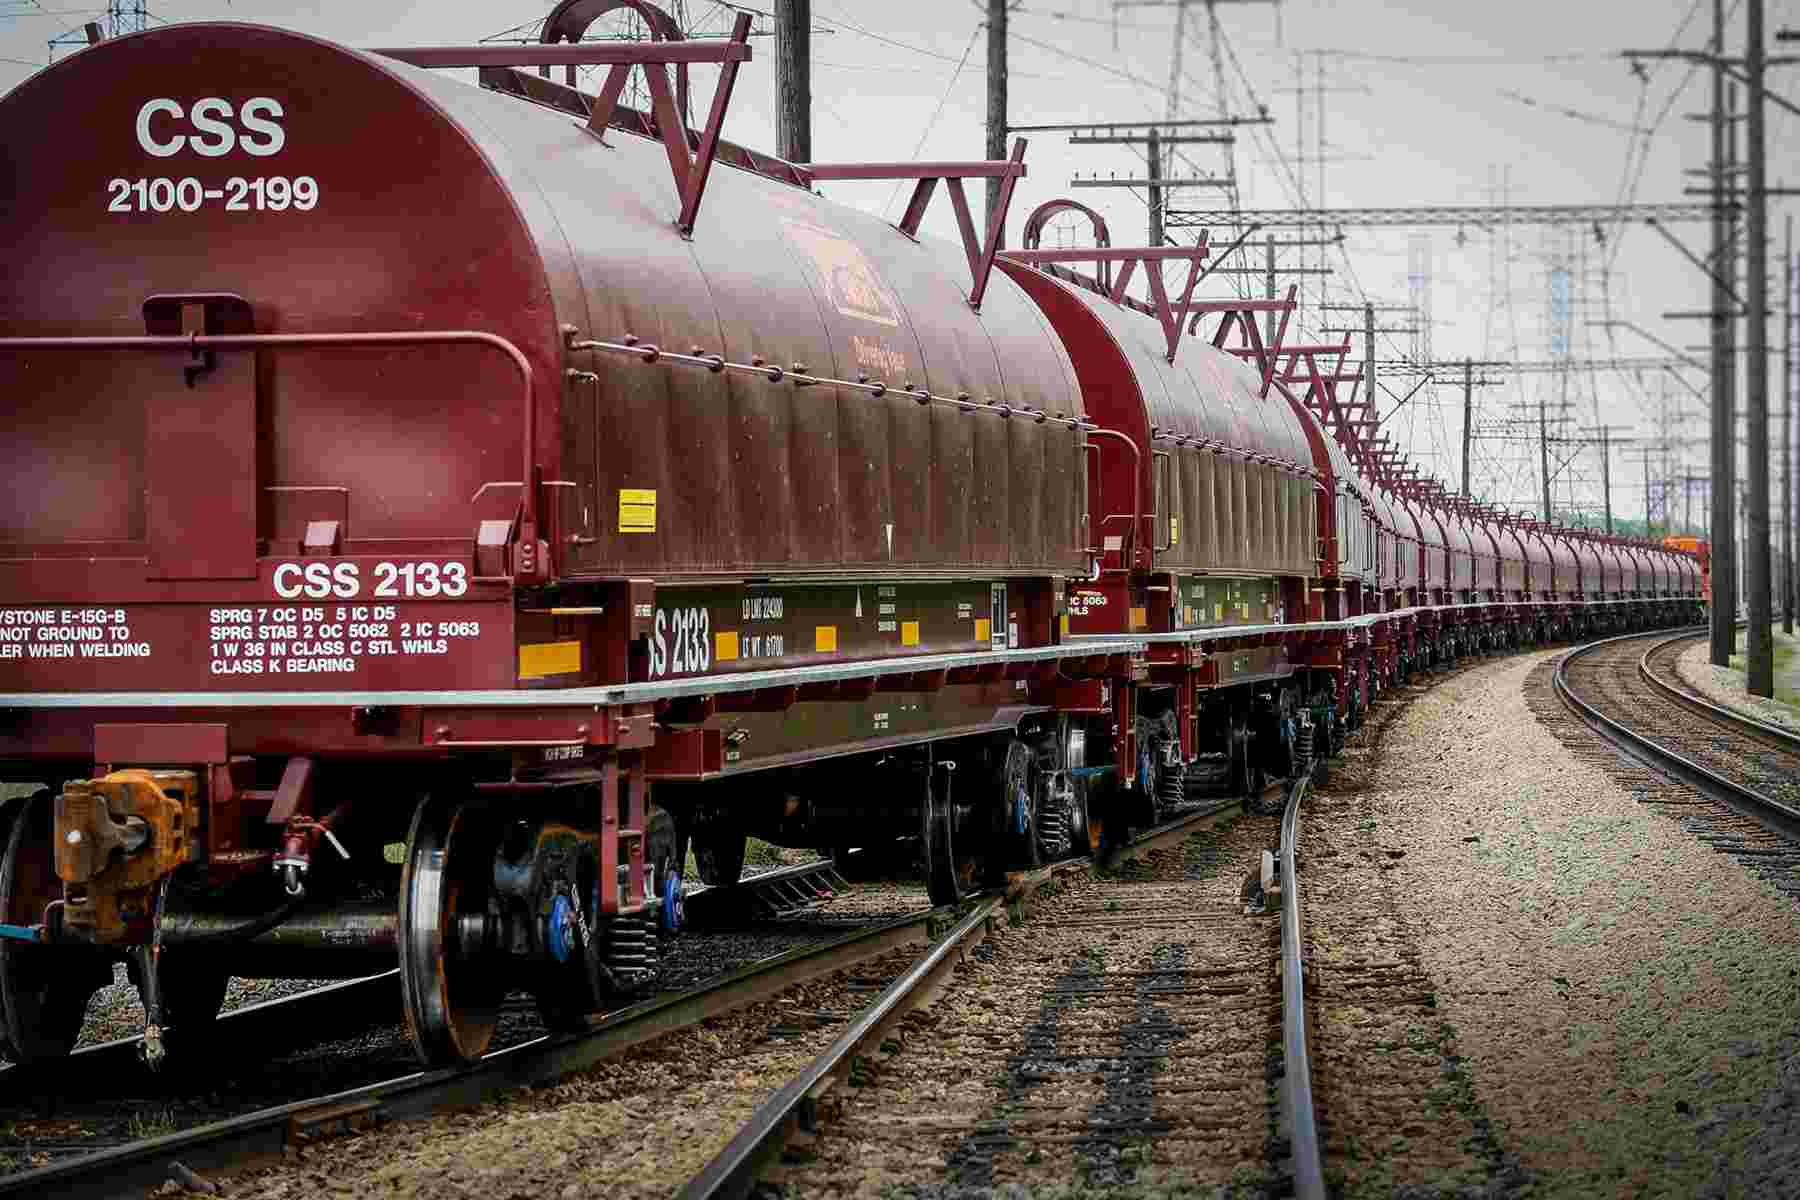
{"x":549,"y":658}
{"x":1140,"y":617}
{"x":824,"y":638}
{"x":1174,"y":531}
{"x":725,"y":646}
{"x":909,"y":633}
{"x":637,"y":510}
{"x":1063,"y":624}
{"x":984,"y":629}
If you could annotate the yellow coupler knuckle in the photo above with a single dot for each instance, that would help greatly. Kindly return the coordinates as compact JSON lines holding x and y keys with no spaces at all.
{"x":116,"y":837}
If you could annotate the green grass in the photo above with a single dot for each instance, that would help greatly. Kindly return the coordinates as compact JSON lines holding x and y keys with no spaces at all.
{"x":1787,"y":670}
{"x":152,"y":1122}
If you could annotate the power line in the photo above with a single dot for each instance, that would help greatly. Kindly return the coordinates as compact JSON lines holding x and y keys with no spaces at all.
{"x":1463,"y":215}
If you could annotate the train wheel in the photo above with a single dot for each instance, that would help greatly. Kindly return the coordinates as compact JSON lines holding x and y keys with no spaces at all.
{"x":570,"y":985}
{"x":1081,"y":832}
{"x":44,"y":991}
{"x":667,"y":854}
{"x":1019,"y":791}
{"x":952,"y":867}
{"x":448,"y":976}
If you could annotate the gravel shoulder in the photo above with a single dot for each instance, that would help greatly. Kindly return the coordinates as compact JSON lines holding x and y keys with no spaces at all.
{"x":1724,"y":686}
{"x":1624,"y":997}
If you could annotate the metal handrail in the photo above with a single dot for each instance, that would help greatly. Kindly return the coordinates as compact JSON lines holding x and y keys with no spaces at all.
{"x":195,"y":343}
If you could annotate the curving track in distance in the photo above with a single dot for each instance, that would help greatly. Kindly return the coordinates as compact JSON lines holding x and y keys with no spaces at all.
{"x":1622,"y":689}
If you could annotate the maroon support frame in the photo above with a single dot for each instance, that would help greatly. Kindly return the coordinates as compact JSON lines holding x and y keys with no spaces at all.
{"x":980,"y":252}
{"x":690,"y":169}
{"x":1169,"y":316}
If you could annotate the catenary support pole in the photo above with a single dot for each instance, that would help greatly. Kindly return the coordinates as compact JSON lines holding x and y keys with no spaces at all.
{"x":1153,"y":150}
{"x":1724,"y":566}
{"x":996,"y":100}
{"x":1269,"y":288}
{"x":1370,"y":397}
{"x":1606,"y":476}
{"x":1790,"y":390}
{"x":1544,"y":447}
{"x":1759,"y":649}
{"x":793,"y":80}
{"x":1468,"y":420}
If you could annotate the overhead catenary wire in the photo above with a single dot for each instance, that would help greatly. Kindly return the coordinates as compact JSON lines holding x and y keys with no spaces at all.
{"x":937,"y":112}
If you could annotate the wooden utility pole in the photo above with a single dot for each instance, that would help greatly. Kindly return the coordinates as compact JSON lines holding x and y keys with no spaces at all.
{"x":1606,"y":445}
{"x":1154,"y":149}
{"x":996,"y":100}
{"x":1790,"y":385}
{"x":1269,"y":288}
{"x":1759,"y":650}
{"x":1724,"y":425}
{"x":793,"y":82}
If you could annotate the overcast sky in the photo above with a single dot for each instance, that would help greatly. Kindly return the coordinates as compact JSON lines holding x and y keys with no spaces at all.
{"x":1424,"y":101}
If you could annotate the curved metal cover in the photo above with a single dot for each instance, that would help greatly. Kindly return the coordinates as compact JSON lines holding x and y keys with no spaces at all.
{"x":333,"y":195}
{"x":759,"y":476}
{"x":1521,"y":562}
{"x":1431,"y":533}
{"x":1397,"y":532}
{"x":1459,"y":540}
{"x":440,"y":205}
{"x":1567,"y":567}
{"x":1621,"y":574}
{"x":1407,"y":529}
{"x":1230,"y":512}
{"x":1596,"y":579}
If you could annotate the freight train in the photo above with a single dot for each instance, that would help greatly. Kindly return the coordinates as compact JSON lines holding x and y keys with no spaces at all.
{"x":434,"y":508}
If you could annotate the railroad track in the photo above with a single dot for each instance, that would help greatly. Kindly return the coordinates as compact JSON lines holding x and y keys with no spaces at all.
{"x":786,"y":895}
{"x":1389,"y":1083}
{"x":193,"y":1154}
{"x":1151,"y":1019}
{"x":1731,"y":781}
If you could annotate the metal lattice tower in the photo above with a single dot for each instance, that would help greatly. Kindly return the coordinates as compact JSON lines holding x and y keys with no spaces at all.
{"x":126,"y":16}
{"x":122,"y":17}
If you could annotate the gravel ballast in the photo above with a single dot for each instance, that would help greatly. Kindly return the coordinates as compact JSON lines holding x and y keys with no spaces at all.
{"x":1626,"y":1000}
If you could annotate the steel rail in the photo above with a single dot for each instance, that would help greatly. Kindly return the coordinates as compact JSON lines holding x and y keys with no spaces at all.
{"x":732,"y":1172}
{"x":1708,"y":783}
{"x":137,"y":1166}
{"x":1296,"y":1070}
{"x":1764,"y":731}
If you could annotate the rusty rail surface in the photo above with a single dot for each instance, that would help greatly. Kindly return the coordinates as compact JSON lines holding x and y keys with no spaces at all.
{"x":1296,"y":1070}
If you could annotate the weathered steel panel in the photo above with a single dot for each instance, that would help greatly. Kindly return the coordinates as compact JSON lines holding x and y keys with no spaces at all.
{"x":1226,"y":508}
